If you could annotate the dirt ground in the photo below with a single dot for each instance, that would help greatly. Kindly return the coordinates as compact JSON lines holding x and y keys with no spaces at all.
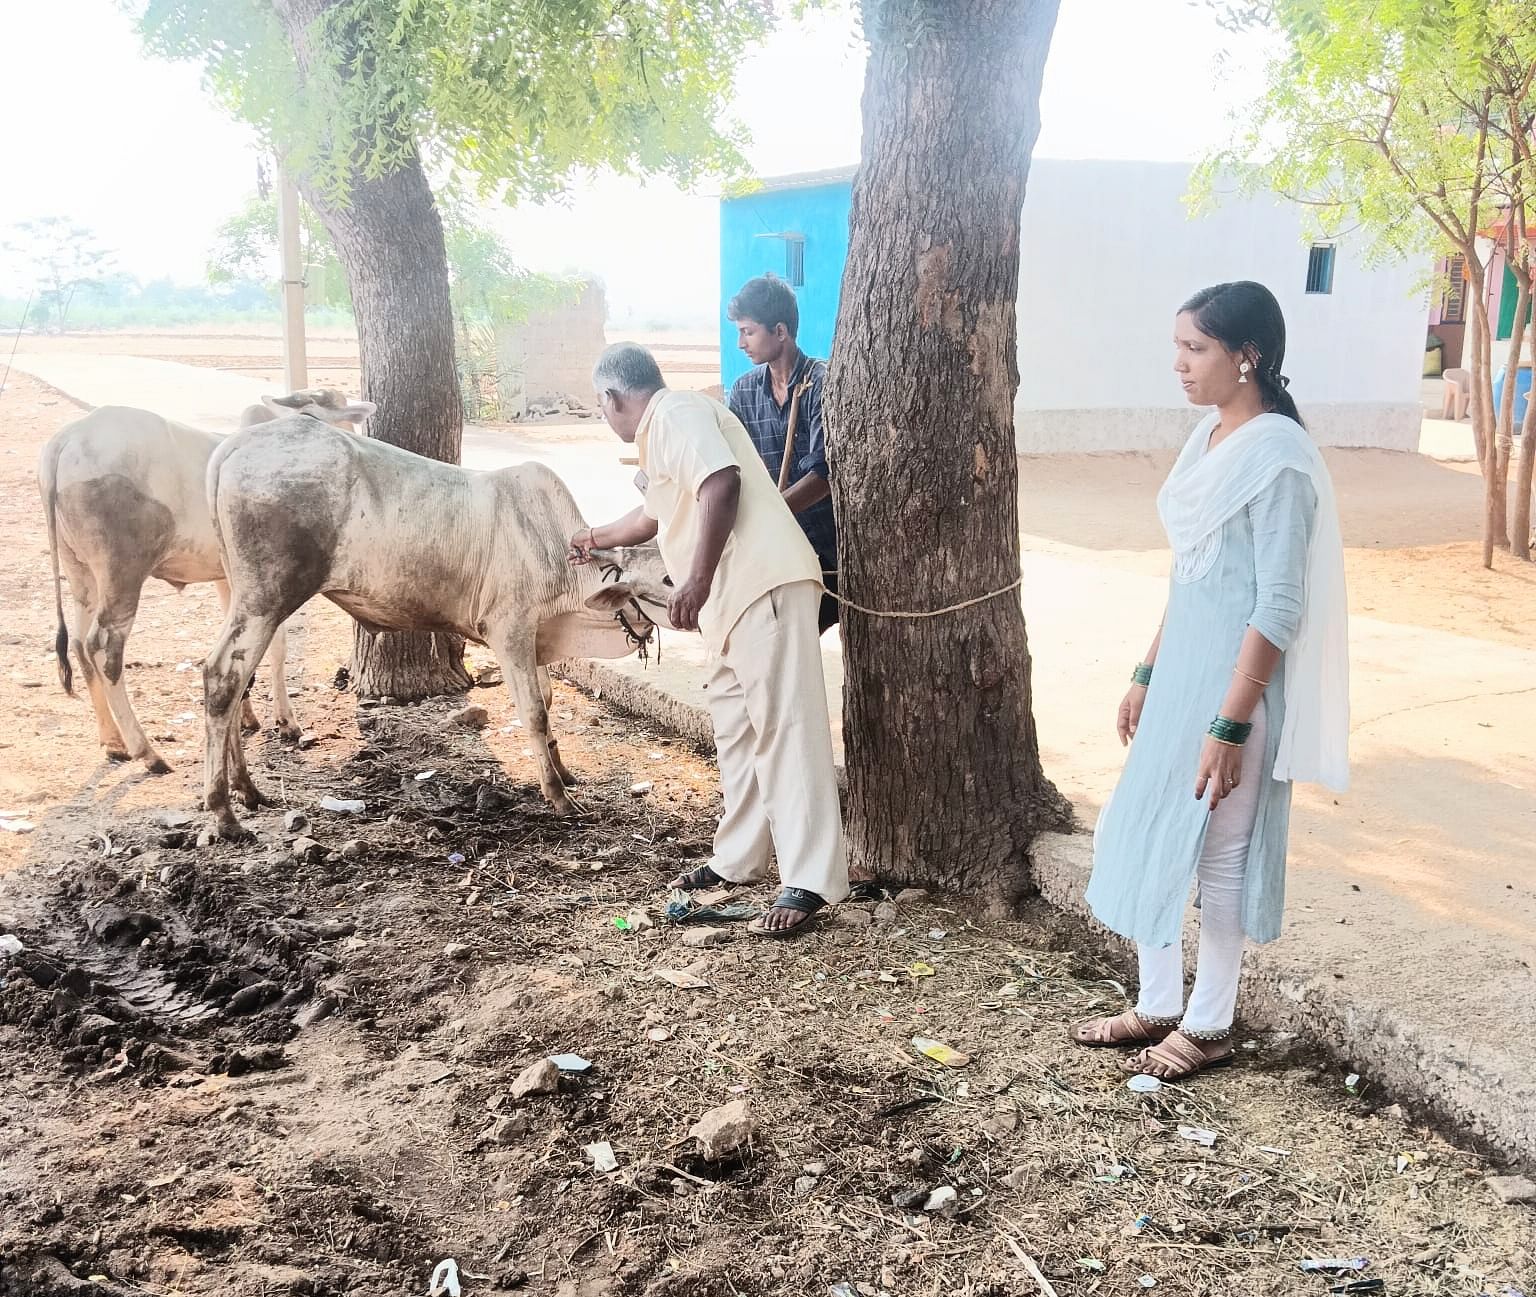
{"x":228,"y":1070}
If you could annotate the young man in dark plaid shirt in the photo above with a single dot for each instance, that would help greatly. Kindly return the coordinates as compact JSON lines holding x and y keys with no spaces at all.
{"x":785,"y":385}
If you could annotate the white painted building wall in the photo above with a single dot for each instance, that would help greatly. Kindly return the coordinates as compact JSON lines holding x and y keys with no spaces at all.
{"x":1108,"y":254}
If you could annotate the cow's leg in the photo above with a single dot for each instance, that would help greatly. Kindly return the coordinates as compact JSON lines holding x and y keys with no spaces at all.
{"x":82,"y":594}
{"x":547,"y":693}
{"x":282,"y":706}
{"x":105,"y":642}
{"x":250,"y":723}
{"x":241,"y":643}
{"x":515,"y":651}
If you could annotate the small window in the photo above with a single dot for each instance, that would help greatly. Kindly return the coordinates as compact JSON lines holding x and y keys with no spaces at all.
{"x":794,"y":262}
{"x":1453,"y":303}
{"x":1320,"y":268}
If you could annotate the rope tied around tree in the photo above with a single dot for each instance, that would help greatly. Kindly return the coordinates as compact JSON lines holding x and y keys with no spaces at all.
{"x":937,"y":612}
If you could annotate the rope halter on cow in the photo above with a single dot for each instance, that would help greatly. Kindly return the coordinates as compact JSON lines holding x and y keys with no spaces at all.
{"x":639,"y":640}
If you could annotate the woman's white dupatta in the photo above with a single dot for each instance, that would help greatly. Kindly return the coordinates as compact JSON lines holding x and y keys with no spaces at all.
{"x":1204,"y":490}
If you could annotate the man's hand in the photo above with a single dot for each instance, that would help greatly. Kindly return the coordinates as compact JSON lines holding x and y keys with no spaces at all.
{"x":683,"y":607}
{"x":582,"y":545}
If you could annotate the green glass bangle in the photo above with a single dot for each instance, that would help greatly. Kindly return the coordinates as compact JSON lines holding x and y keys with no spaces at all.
{"x":1142,"y":675}
{"x":1234,"y":733}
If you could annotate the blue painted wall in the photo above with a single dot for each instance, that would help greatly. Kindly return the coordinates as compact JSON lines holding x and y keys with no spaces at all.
{"x":821,"y":214}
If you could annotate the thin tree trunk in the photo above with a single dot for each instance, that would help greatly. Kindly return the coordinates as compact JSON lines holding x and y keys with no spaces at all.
{"x":390,"y":241}
{"x":945,"y":783}
{"x":1504,"y":434}
{"x":1525,"y":480}
{"x":1483,"y":421}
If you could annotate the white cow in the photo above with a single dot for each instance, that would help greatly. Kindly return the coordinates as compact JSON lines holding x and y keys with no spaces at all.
{"x":403,"y":543}
{"x":125,"y":499}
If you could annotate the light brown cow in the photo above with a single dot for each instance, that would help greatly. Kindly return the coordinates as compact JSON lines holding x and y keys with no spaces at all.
{"x":403,"y":543}
{"x":125,"y":499}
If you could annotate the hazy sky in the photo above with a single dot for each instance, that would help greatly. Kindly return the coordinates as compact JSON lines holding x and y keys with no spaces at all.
{"x":133,"y":148}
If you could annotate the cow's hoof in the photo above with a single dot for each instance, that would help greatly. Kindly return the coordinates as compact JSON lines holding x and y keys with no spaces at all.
{"x":561,"y":806}
{"x":250,"y":725}
{"x":118,"y":755}
{"x":231,"y":830}
{"x":252,"y":797}
{"x":288,"y":731}
{"x":157,"y":765}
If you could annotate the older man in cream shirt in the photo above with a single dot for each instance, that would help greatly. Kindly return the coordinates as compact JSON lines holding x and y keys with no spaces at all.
{"x":749,"y":581}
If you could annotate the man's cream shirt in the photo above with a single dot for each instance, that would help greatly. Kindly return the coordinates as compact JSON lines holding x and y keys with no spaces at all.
{"x":684,"y":438}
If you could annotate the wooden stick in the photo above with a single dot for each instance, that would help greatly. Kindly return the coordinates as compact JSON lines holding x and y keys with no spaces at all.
{"x":1030,"y":1268}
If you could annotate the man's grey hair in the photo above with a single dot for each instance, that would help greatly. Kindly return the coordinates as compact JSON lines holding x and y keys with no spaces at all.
{"x":628,"y":369}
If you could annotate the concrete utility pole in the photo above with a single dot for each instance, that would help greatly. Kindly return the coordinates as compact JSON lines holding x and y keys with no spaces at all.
{"x":295,"y":361}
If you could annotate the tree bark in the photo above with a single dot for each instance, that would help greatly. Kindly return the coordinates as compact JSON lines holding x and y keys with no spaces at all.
{"x":389,"y":239}
{"x":1525,"y":482}
{"x":945,"y":782}
{"x":1504,"y":435}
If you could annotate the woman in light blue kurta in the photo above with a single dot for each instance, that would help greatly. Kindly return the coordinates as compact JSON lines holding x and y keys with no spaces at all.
{"x":1243,"y":690}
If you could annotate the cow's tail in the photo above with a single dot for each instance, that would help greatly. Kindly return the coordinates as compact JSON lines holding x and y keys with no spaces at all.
{"x":48,"y":482}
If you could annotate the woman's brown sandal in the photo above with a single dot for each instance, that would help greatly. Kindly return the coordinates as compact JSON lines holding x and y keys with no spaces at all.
{"x":1178,"y":1055}
{"x":1128,"y":1028}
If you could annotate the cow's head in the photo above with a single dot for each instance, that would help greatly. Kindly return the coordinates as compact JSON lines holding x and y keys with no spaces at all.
{"x":609,"y":622}
{"x":323,"y":403}
{"x":643,"y":571}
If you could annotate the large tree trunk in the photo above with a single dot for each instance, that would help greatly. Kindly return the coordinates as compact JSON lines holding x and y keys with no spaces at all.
{"x":944,"y":776}
{"x":390,"y":241}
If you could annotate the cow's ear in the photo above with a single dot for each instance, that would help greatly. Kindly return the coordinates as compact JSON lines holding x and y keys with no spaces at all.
{"x":611,"y":597}
{"x":355,"y":411}
{"x":277,"y":406}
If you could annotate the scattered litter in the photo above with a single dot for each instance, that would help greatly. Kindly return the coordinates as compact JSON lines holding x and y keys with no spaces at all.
{"x":183,"y":666}
{"x":1091,"y":1263}
{"x":659,"y":1034}
{"x":1116,"y":1174}
{"x":683,"y":981}
{"x":1333,"y":1264}
{"x":682,"y":908}
{"x":1198,"y":1135}
{"x":640,"y":789}
{"x":1406,"y":1160}
{"x":842,"y":1290}
{"x":937,"y":934}
{"x":603,"y":1159}
{"x":941,"y":1200}
{"x":1147,"y":1281}
{"x":1360,"y":1286}
{"x":1277,"y":1152}
{"x":15,"y":824}
{"x":1144,"y":1084}
{"x":940,"y":1052}
{"x":10,"y":944}
{"x":1140,"y":1223}
{"x":425,"y":775}
{"x":343,"y":805}
{"x":570,"y":1062}
{"x":621,"y":923}
{"x":456,"y":858}
{"x":920,"y":969}
{"x":1352,"y":1082}
{"x":445,"y":1279}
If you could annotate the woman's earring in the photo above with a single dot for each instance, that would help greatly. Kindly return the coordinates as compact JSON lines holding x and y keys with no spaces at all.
{"x":1242,"y":372}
